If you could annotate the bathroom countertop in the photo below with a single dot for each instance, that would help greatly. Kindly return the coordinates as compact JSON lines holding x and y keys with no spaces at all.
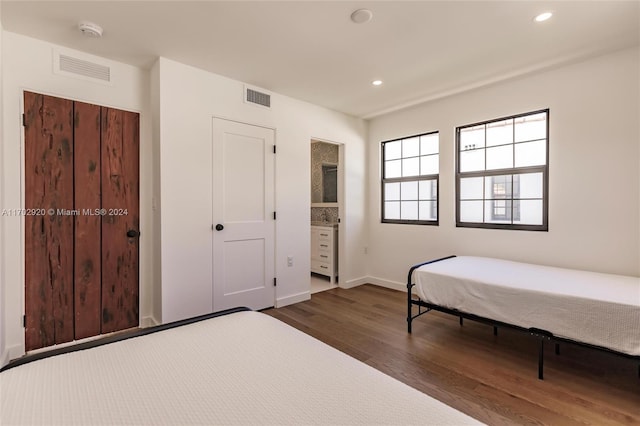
{"x":329,"y":224}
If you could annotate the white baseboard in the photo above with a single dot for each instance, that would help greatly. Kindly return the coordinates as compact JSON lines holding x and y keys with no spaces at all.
{"x":4,"y":359}
{"x":295,"y":298}
{"x":12,"y":352}
{"x":393,"y":285}
{"x":354,"y":283}
{"x":148,"y":322}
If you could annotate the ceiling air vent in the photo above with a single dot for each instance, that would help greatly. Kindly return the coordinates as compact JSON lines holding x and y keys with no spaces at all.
{"x":81,"y":68}
{"x":253,"y":96}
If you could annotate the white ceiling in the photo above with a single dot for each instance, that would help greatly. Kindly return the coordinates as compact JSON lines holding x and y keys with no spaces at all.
{"x":310,"y":50}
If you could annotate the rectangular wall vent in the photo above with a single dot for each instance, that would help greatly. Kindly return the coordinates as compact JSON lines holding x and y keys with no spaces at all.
{"x":82,"y":67}
{"x":85,"y":68}
{"x":258,"y":98}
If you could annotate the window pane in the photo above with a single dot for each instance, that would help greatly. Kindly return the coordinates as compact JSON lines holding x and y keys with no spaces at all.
{"x":472,"y":137}
{"x":429,"y":165}
{"x":472,"y":160}
{"x":500,"y":133}
{"x":531,"y":127}
{"x":471,"y":188}
{"x":497,"y":187}
{"x":411,"y":167}
{"x":429,"y":144}
{"x":392,"y":191}
{"x":428,"y":210}
{"x":471,"y":211}
{"x":500,"y":157}
{"x":530,"y":212}
{"x":392,"y":169}
{"x":392,"y":150}
{"x":409,"y":210}
{"x":409,"y":190}
{"x":497,"y":211}
{"x":392,"y":210}
{"x":410,"y":147}
{"x":406,"y":163}
{"x":427,"y":190}
{"x":531,"y":153}
{"x":531,"y":185}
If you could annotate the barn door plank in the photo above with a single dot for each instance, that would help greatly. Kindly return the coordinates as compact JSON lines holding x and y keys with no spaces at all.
{"x":49,"y":237}
{"x":120,"y":198}
{"x":87,"y":262}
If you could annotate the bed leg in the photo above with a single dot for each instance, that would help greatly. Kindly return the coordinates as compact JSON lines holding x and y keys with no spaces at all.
{"x":409,"y":311}
{"x":541,"y":360}
{"x":557,"y":348}
{"x":461,"y":320}
{"x":495,"y":330}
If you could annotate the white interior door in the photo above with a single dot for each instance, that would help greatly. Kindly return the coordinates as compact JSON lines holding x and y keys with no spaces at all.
{"x":243,"y":209}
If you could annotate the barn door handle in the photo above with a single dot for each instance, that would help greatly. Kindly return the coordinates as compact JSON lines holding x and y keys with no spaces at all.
{"x":132,"y":233}
{"x":219,"y":227}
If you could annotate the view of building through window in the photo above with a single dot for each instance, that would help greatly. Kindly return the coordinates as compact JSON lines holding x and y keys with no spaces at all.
{"x":502,"y":172}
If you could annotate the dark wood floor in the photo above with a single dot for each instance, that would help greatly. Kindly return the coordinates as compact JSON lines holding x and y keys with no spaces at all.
{"x":491,"y":378}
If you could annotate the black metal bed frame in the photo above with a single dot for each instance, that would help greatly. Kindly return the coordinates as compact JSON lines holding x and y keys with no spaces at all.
{"x":117,"y":337}
{"x":541,"y":335}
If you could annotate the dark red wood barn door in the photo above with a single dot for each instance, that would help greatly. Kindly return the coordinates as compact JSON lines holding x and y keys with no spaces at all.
{"x":81,"y":222}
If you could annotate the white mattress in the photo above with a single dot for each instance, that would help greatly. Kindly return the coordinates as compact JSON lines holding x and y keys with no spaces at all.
{"x":243,"y":368}
{"x":594,"y":308}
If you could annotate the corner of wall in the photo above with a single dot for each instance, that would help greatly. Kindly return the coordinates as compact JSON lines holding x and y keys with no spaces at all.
{"x":155,"y":101}
{"x":4,"y":356}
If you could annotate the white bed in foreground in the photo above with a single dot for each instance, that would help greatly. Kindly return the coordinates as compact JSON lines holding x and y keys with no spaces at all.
{"x":241,"y":368}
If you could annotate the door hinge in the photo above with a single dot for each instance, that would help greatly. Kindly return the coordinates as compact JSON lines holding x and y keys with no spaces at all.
{"x":274,"y":149}
{"x":24,"y":120}
{"x":275,"y":281}
{"x":24,"y":321}
{"x":274,"y":215}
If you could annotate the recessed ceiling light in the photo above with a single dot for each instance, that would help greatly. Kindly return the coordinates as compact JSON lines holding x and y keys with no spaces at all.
{"x":361,"y":16}
{"x":90,"y":29}
{"x":376,"y":82}
{"x":543,"y":17}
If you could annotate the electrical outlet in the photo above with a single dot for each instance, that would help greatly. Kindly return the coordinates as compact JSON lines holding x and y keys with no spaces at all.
{"x":289,"y":260}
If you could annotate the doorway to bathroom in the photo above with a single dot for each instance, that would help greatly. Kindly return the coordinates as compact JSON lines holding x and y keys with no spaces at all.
{"x":327,"y":192}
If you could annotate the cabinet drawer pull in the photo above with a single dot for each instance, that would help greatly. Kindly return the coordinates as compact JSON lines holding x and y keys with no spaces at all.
{"x":323,"y":245}
{"x":323,"y":267}
{"x":324,"y":235}
{"x":322,"y":255}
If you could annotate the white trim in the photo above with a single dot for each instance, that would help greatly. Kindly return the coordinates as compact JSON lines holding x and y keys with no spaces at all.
{"x":12,"y":352}
{"x":4,"y":359}
{"x":393,"y":285}
{"x":354,"y":283}
{"x":149,"y":321}
{"x":294,"y":298}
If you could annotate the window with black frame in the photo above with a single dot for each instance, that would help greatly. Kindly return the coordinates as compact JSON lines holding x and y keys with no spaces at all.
{"x":502,"y":173}
{"x":410,"y":168}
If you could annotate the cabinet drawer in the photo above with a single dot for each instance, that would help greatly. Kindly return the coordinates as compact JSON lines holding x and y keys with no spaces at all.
{"x":324,"y":235}
{"x":321,"y":267}
{"x":323,"y":255}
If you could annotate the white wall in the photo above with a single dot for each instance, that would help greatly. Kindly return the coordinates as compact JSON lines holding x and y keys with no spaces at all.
{"x":188,"y":99}
{"x":594,"y":177}
{"x":4,"y":357}
{"x":28,"y":66}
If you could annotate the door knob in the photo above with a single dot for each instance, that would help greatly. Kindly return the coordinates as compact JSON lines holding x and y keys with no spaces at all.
{"x":132,"y":233}
{"x":219,"y":227}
